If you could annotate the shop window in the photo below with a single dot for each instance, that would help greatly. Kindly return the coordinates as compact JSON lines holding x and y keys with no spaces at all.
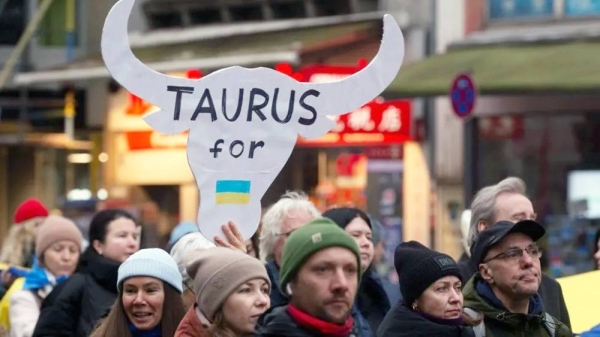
{"x":519,"y":9}
{"x":205,"y":16}
{"x":165,"y":20}
{"x":12,"y":21}
{"x":333,"y":7}
{"x":289,"y":10}
{"x":52,"y":30}
{"x":250,"y":12}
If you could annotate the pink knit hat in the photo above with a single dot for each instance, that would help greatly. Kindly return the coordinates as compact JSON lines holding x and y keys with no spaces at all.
{"x":55,"y":229}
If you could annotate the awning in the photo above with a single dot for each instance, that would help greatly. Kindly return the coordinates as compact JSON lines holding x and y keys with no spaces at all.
{"x":261,"y":49}
{"x":535,"y":68}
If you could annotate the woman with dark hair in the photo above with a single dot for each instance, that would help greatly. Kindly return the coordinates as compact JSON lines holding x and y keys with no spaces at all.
{"x":232,"y":292}
{"x":372,"y":301}
{"x":432,"y":304}
{"x":88,"y":295}
{"x":149,"y":302}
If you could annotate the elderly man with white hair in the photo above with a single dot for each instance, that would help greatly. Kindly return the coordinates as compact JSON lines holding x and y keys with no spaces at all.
{"x":291,"y":212}
{"x":506,"y":201}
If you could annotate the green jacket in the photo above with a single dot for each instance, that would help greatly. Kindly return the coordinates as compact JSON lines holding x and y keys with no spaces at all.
{"x":500,"y":323}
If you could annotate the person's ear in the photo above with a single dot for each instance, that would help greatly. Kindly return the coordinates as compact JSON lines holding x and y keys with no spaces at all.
{"x":98,"y":246}
{"x":486,"y":273}
{"x":482,"y":225}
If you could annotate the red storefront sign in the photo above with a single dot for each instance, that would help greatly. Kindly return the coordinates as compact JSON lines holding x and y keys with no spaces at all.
{"x":374,"y":124}
{"x":501,"y":128}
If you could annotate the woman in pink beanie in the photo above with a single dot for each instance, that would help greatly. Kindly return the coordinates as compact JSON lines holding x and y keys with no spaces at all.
{"x":58,"y":247}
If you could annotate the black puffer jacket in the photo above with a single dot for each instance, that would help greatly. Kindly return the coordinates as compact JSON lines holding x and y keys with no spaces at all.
{"x":277,"y":323}
{"x":403,"y":322}
{"x":84,"y":298}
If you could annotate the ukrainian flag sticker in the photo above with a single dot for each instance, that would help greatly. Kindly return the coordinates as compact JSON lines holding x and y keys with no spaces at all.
{"x":233,"y":192}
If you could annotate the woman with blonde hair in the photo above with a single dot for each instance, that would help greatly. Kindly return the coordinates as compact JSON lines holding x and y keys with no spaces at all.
{"x":149,"y":302}
{"x":232,"y":292}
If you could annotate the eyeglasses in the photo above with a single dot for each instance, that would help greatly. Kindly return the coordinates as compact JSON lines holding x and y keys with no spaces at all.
{"x":515,"y":254}
{"x":287,"y":235}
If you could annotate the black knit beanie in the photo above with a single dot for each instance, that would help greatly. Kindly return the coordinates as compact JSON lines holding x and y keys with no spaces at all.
{"x":344,"y":215}
{"x":418,"y":267}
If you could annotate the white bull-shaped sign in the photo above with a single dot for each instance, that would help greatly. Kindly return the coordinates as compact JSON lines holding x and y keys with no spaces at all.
{"x":243,"y":123}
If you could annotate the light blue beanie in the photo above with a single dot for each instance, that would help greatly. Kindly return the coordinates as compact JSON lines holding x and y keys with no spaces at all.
{"x":151,"y":262}
{"x":182,"y":229}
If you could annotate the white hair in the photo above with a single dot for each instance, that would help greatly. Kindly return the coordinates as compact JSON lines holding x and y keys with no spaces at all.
{"x":482,"y":207}
{"x":182,"y":249}
{"x":275,"y":216}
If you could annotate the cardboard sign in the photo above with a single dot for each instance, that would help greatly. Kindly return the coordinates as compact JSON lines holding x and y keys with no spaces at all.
{"x":243,"y":123}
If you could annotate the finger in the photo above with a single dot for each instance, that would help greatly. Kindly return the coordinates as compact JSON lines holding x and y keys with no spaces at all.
{"x":220,"y":242}
{"x":235,"y":231}
{"x":229,"y":235}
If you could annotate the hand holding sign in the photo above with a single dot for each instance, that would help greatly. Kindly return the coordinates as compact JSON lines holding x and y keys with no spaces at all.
{"x":243,"y":122}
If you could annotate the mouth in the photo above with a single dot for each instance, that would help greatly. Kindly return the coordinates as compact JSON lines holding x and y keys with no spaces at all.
{"x":529,"y":277}
{"x":142,"y":315}
{"x":453,"y":312}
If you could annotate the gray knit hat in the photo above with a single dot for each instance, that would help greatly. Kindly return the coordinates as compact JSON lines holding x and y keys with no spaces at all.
{"x":218,"y":272}
{"x":151,"y":262}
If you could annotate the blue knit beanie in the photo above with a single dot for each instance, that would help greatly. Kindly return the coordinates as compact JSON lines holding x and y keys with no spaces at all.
{"x":151,"y":262}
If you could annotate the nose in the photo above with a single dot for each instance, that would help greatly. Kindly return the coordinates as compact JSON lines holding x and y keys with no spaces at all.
{"x":340,"y":281}
{"x":526,"y":259}
{"x":139,"y":298}
{"x":263,"y":300}
{"x":455,"y":296}
{"x":132,"y":242}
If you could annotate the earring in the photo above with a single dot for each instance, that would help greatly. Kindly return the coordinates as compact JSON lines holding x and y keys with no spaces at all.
{"x":288,"y":289}
{"x":414,"y":306}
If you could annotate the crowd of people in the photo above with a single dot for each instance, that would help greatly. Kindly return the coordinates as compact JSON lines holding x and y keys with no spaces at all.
{"x":306,"y":273}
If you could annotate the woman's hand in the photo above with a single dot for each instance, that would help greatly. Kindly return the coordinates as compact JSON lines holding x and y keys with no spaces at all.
{"x":234,"y":238}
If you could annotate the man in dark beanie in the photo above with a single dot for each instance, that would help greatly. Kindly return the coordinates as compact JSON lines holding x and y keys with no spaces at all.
{"x":431,"y":288}
{"x":320,"y":272}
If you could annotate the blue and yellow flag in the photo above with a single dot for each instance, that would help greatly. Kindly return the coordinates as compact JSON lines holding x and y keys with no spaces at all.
{"x":233,"y":192}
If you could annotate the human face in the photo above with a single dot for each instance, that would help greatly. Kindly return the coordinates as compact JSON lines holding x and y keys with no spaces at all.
{"x":326,"y":285}
{"x":294,"y":220}
{"x":121,"y":240}
{"x":513,"y":207}
{"x":362,"y":234}
{"x":61,"y":258}
{"x":244,"y":307}
{"x":513,"y":276}
{"x":443,"y":299}
{"x":143,"y":300}
{"x":597,"y":255}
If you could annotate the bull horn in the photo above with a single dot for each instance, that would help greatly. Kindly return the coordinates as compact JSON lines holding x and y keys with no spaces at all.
{"x":353,"y":92}
{"x":122,"y":64}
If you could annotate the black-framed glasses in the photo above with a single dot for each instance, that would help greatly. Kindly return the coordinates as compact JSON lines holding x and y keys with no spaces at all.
{"x":287,"y":235}
{"x":515,"y":254}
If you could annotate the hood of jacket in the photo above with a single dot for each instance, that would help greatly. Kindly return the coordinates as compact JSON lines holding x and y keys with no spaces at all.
{"x":101,"y":269}
{"x":400,"y":321}
{"x":190,"y":325}
{"x":479,"y":296}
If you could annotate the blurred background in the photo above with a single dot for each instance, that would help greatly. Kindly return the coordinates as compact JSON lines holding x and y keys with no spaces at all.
{"x":74,"y":138}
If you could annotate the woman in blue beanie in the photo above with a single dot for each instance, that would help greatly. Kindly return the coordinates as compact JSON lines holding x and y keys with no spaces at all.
{"x":149,"y":302}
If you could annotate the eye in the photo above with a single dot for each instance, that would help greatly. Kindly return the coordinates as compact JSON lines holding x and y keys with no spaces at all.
{"x":265,"y":290}
{"x":244,"y":290}
{"x":513,"y":253}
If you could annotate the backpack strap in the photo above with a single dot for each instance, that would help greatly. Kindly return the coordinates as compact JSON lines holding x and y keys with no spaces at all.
{"x":550,"y":324}
{"x":479,"y":329}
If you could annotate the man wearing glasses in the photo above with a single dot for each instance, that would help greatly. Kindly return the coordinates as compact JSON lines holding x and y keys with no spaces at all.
{"x":507,"y":201}
{"x":505,"y":290}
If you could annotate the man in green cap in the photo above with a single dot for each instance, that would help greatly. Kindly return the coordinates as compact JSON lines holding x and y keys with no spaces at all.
{"x":320,"y":272}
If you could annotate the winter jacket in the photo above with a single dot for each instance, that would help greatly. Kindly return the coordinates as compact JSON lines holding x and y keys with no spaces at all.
{"x":86,"y":297}
{"x":550,"y":291}
{"x":278,"y":323}
{"x":372,"y":300}
{"x":277,"y":296}
{"x":500,"y":322}
{"x":191,"y":326}
{"x":400,"y":321}
{"x":278,"y":299}
{"x":24,"y":311}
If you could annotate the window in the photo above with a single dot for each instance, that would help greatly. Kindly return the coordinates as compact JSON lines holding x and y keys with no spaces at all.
{"x":516,"y":9}
{"x":12,"y":22}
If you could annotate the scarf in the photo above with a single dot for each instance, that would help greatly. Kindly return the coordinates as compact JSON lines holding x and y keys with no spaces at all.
{"x":324,"y":328}
{"x":454,"y":322}
{"x":38,"y":278}
{"x":536,"y":305}
{"x":135,"y":332}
